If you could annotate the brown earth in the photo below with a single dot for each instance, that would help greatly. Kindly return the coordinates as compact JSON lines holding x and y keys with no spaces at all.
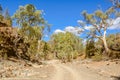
{"x":55,"y":70}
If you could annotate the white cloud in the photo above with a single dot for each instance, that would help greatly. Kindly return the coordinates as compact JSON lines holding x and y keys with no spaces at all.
{"x":116,"y":24}
{"x":80,"y":21}
{"x":113,"y":27}
{"x":74,"y":30}
{"x":58,"y":31}
{"x":116,"y":21}
{"x":88,"y":27}
{"x":110,"y":21}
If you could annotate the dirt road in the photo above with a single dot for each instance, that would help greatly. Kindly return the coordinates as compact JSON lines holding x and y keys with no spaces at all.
{"x":55,"y":70}
{"x":65,"y":73}
{"x":73,"y":71}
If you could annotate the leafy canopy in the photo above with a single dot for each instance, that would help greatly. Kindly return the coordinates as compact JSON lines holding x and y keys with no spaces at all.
{"x":30,"y":20}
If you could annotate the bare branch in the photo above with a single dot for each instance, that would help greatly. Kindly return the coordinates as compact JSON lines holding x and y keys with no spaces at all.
{"x":99,"y":37}
{"x":98,"y":29}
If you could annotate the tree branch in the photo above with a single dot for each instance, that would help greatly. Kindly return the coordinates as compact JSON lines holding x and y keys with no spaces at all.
{"x":99,"y":37}
{"x":98,"y":30}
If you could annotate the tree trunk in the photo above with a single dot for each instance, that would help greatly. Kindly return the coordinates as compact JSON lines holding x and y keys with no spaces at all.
{"x":105,"y":43}
{"x":38,"y":47}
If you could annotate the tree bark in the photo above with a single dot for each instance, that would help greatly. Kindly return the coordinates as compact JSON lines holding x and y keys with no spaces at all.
{"x":38,"y":44}
{"x":105,"y":43}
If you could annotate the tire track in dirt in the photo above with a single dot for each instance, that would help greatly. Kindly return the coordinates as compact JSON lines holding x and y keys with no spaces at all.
{"x":65,"y":73}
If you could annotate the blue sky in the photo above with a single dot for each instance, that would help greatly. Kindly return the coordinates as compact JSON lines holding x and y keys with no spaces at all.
{"x":59,"y":13}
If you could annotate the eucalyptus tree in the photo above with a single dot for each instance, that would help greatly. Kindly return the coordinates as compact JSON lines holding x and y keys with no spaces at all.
{"x":30,"y":20}
{"x":98,"y":23}
{"x":5,"y":18}
{"x":116,"y":3}
{"x":1,"y":9}
{"x":31,"y":24}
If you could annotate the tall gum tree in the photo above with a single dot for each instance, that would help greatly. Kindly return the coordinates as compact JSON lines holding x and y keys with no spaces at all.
{"x":98,"y":23}
{"x":31,"y":24}
{"x":28,"y":19}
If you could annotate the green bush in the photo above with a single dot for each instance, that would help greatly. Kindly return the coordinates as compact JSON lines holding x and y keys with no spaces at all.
{"x":67,"y":46}
{"x":97,"y":57}
{"x":90,"y":48}
{"x":113,"y":41}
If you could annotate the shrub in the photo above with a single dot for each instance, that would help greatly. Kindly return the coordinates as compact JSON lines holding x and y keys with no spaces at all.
{"x":97,"y":57}
{"x":12,"y":44}
{"x":113,"y":41}
{"x":90,"y":48}
{"x":67,"y":46}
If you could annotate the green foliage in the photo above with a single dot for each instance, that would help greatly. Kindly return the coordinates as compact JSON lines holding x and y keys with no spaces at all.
{"x":99,"y":22}
{"x":67,"y":46}
{"x":5,"y":56}
{"x":32,"y":25}
{"x":94,"y":50}
{"x":114,"y":45}
{"x":113,"y":41}
{"x":5,"y":19}
{"x":90,"y":48}
{"x":1,"y":9}
{"x":30,"y":20}
{"x":97,"y":57}
{"x":44,"y":51}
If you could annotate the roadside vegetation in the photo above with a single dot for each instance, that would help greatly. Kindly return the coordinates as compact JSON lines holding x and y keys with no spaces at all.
{"x":25,"y":41}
